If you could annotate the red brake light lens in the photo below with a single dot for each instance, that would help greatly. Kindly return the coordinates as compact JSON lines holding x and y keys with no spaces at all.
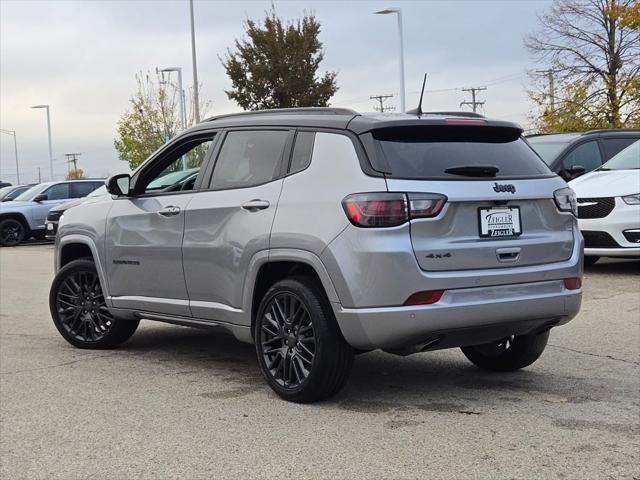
{"x":376,"y":209}
{"x":465,"y":121}
{"x":389,"y":209}
{"x":428,"y":297}
{"x":573,"y":283}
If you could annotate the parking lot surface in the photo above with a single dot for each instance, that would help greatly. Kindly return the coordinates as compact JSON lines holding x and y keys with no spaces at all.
{"x":175,"y":402}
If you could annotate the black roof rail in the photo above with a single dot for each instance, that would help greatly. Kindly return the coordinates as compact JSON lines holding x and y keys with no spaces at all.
{"x":457,"y":114}
{"x":612,"y":130}
{"x":288,"y":111}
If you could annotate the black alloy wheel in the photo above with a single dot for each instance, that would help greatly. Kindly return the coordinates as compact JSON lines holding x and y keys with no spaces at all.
{"x":12,"y":232}
{"x":288,"y":340}
{"x":79,"y":310}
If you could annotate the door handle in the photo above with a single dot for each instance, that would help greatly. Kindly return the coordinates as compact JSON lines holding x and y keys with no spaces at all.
{"x":169,"y":211}
{"x":255,"y":205}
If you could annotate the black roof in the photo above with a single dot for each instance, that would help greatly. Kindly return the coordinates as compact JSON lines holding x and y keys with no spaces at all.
{"x":341,"y":118}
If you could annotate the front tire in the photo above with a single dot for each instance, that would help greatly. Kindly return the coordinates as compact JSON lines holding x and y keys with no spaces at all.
{"x":507,"y":355}
{"x":79,"y":310}
{"x":300,"y":349}
{"x":12,"y":232}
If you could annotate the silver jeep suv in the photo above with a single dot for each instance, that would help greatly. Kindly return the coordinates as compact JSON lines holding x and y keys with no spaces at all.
{"x":321,"y":233}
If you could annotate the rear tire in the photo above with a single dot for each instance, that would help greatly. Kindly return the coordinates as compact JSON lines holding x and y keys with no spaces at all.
{"x":590,"y":260}
{"x":509,"y":354}
{"x":300,"y":349}
{"x":79,"y":311}
{"x":12,"y":232}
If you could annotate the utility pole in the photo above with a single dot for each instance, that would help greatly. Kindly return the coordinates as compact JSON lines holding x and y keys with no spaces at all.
{"x":552,"y":89}
{"x":72,"y":158}
{"x":474,"y":103}
{"x":15,"y":151}
{"x":39,"y":177}
{"x":381,"y":99}
{"x":196,"y":103}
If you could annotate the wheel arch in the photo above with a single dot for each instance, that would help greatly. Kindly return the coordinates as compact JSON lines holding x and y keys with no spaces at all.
{"x":17,"y":216}
{"x":279,"y":264}
{"x":74,"y":247}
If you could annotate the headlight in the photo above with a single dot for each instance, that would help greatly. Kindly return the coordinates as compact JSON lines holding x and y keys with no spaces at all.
{"x":566,"y":200}
{"x":632,"y":199}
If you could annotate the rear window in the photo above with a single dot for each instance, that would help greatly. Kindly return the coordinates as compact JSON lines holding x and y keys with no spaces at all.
{"x":428,"y":152}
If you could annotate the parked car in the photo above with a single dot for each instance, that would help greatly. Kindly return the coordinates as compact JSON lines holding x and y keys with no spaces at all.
{"x":51,"y":224}
{"x":24,"y":217}
{"x":4,"y":184}
{"x":609,"y":207}
{"x":573,"y":154}
{"x":319,"y":233}
{"x":7,"y":194}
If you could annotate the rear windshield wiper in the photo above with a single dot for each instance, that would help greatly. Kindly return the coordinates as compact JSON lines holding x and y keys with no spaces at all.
{"x":473,"y":170}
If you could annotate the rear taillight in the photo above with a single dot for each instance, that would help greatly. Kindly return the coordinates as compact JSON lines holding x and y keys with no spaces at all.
{"x":428,"y":297}
{"x":389,"y":209}
{"x":573,"y":283}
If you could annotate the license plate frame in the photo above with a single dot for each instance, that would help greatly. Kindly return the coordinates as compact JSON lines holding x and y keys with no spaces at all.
{"x":501,"y":226}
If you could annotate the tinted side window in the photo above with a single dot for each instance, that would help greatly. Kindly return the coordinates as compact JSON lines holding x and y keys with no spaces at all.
{"x":586,"y":155}
{"x":58,"y":192}
{"x":613,"y":146}
{"x":82,"y":189}
{"x":301,"y":157}
{"x":249,"y":158}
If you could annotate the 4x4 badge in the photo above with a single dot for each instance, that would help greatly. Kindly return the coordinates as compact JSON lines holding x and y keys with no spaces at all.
{"x":508,"y":187}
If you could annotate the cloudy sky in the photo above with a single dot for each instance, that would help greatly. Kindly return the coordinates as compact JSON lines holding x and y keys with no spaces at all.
{"x":81,"y":57}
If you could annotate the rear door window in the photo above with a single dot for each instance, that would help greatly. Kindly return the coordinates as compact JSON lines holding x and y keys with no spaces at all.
{"x":585,"y":155}
{"x":82,"y":189}
{"x":249,"y":158}
{"x":428,"y":152}
{"x":613,"y":146}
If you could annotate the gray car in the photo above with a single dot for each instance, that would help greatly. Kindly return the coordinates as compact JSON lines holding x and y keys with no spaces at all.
{"x":321,"y":233}
{"x":25,"y":216}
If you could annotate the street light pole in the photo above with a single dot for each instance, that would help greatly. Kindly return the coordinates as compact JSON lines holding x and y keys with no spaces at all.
{"x":15,"y":150}
{"x":183,"y":118}
{"x":196,"y":104}
{"x":398,"y":11}
{"x":49,"y":132}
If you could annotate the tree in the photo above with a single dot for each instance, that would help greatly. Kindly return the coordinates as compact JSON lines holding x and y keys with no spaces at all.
{"x":277,"y":66}
{"x":74,"y":174}
{"x":593,"y":54}
{"x":152,"y":119}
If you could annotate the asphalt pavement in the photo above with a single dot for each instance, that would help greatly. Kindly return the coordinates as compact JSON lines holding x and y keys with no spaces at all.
{"x":175,"y":402}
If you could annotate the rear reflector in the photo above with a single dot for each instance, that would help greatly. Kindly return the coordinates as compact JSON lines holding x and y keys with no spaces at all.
{"x":573,"y":283}
{"x":428,"y":297}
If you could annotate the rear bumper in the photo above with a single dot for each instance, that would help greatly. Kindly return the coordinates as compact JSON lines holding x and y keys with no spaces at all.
{"x":462,"y":317}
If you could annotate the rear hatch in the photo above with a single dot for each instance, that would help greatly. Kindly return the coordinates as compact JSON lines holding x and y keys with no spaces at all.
{"x":500,"y":210}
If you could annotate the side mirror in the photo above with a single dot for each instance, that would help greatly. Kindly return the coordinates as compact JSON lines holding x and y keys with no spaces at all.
{"x":119,"y":184}
{"x":41,"y":198}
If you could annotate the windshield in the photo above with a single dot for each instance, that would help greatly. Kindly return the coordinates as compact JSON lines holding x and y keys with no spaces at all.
{"x":170,"y":179}
{"x":30,"y":194}
{"x":98,"y":192}
{"x":5,"y":190}
{"x":627,"y":159}
{"x":549,"y":151}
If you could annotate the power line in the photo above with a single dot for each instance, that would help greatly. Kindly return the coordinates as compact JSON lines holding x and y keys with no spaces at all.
{"x":381,"y":99}
{"x":473,"y":103}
